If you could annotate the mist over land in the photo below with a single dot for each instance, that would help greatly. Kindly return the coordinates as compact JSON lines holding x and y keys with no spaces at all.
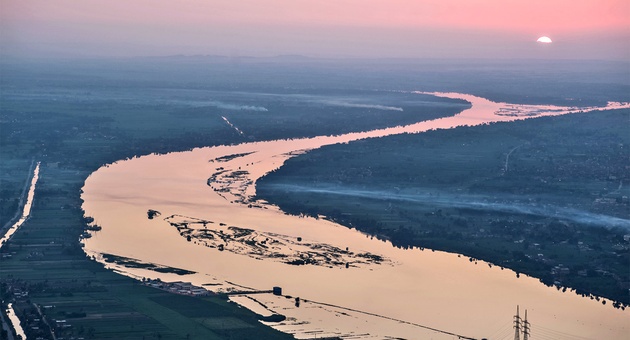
{"x":563,"y":195}
{"x":85,"y":84}
{"x":474,"y":202}
{"x":75,"y":115}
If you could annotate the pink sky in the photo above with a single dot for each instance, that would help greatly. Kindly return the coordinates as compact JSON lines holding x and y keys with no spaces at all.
{"x":329,"y":28}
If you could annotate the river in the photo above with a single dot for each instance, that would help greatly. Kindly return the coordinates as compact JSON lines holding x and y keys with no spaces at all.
{"x":355,"y":286}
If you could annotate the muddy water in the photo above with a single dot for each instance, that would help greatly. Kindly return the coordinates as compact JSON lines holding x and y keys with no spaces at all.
{"x":384,"y":291}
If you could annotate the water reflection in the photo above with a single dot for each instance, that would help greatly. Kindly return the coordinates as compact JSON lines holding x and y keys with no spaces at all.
{"x":210,"y":225}
{"x":15,"y":322}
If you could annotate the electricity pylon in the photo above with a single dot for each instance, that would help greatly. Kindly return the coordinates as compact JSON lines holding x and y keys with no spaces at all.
{"x":517,"y":325}
{"x":525,"y":327}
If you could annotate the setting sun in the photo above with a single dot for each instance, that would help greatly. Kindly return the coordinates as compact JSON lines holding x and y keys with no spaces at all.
{"x":544,"y":40}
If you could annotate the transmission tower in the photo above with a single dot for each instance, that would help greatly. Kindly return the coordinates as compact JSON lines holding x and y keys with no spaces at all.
{"x":525,"y":327}
{"x":517,"y":325}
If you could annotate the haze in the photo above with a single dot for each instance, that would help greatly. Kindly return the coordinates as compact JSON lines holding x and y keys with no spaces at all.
{"x":587,"y":29}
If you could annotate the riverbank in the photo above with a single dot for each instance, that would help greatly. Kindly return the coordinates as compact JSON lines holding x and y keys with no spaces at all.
{"x":558,"y":213}
{"x":78,"y":115}
{"x":75,"y":124}
{"x":224,"y":210}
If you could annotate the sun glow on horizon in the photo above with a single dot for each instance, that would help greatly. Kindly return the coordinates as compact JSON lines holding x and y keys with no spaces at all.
{"x":544,"y":40}
{"x":589,"y":29}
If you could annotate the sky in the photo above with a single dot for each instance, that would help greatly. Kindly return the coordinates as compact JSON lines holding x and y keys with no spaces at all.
{"x":580,"y":29}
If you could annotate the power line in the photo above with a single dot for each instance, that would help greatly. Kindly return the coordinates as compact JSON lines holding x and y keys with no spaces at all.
{"x":555,"y":334}
{"x":502,"y":332}
{"x":459,"y":336}
{"x":523,"y":327}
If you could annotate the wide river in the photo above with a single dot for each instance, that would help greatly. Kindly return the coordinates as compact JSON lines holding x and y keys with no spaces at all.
{"x":357,"y":286}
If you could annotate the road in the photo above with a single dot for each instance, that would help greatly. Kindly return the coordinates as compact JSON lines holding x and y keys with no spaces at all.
{"x":507,"y":157}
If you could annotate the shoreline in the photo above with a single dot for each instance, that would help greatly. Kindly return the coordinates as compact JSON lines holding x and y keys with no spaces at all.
{"x":234,"y":189}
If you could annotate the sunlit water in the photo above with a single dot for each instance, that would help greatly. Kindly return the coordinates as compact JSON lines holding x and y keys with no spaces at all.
{"x":15,"y":321}
{"x":26,"y":211}
{"x":383,"y":292}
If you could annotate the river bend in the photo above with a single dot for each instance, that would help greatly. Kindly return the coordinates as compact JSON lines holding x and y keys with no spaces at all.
{"x":350,"y":285}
